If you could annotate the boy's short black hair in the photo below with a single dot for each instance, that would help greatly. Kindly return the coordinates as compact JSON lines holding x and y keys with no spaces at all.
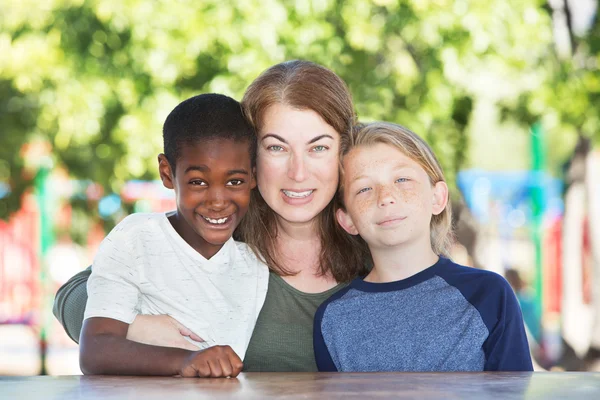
{"x":204,"y":117}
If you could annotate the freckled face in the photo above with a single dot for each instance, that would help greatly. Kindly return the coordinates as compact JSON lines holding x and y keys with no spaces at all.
{"x":297,"y":164}
{"x":388,"y":197}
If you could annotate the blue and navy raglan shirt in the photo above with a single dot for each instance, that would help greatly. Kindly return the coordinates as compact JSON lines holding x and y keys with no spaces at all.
{"x":445,"y":318}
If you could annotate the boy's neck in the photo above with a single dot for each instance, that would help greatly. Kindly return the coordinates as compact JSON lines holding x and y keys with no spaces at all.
{"x":198,"y":243}
{"x":401,"y":262}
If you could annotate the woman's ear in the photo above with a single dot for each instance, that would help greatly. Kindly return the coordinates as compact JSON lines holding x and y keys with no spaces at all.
{"x":440,"y":198}
{"x":164,"y":169}
{"x":345,"y":221}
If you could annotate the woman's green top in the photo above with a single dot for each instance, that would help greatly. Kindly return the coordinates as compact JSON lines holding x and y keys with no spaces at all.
{"x":282,"y":339}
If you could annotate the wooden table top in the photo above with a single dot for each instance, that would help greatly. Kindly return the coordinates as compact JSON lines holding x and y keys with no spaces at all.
{"x":504,"y":385}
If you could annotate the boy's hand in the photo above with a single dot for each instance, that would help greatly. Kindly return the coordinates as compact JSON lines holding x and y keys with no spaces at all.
{"x":214,"y":362}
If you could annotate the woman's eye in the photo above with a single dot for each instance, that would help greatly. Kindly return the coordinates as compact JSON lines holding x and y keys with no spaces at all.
{"x":235,"y":182}
{"x":320,"y":148}
{"x":363,"y":190}
{"x":274,"y":147}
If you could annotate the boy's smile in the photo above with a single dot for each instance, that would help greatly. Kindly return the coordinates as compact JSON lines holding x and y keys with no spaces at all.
{"x":212,"y":182}
{"x":390,"y":221}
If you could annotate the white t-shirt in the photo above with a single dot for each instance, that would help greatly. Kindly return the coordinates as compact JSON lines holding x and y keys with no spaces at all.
{"x":143,"y":266}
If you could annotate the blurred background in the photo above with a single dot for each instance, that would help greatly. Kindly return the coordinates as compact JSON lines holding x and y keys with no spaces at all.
{"x":507,"y":92}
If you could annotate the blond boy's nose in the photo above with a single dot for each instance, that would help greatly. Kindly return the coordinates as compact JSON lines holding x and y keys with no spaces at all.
{"x":386,"y":202}
{"x":385,"y":197}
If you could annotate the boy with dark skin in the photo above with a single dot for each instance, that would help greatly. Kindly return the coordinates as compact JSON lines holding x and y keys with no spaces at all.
{"x":209,"y":161}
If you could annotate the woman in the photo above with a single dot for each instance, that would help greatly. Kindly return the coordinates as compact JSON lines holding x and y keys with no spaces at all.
{"x":300,"y":111}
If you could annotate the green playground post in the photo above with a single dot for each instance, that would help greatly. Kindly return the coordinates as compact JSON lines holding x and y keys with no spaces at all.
{"x":46,"y":240}
{"x":538,"y":155}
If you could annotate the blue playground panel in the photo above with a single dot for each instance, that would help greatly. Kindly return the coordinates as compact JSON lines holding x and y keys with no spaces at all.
{"x":510,"y":191}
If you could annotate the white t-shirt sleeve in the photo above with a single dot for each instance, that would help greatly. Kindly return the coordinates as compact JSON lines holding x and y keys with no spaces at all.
{"x":113,"y":285}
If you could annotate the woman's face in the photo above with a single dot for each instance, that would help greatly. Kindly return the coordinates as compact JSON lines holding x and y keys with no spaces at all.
{"x":297,"y":165}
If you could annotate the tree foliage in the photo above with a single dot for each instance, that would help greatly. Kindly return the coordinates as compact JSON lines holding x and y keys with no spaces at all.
{"x":96,"y":79}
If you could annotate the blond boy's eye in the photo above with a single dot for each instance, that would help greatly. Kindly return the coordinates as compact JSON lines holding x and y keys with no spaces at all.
{"x":400,"y":180}
{"x":363,"y":190}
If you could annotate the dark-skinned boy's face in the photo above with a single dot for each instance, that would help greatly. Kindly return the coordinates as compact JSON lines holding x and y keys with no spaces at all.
{"x":212,"y":185}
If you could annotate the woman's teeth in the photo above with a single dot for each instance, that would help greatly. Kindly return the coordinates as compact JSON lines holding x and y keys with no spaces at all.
{"x":216,"y":221}
{"x":297,"y":195}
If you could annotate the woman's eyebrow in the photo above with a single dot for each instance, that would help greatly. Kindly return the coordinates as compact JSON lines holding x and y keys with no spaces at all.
{"x":274,"y":136}
{"x":315,"y":139}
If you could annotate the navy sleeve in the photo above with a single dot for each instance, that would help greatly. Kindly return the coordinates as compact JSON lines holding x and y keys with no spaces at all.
{"x":506,"y":347}
{"x":322,"y":356}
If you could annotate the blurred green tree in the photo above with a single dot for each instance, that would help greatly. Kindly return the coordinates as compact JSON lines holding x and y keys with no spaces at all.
{"x":97,"y":78}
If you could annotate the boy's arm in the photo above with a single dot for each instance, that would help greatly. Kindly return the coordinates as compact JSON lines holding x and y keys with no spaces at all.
{"x":104,"y":350}
{"x":322,"y":356}
{"x":69,"y":303}
{"x":506,"y":347}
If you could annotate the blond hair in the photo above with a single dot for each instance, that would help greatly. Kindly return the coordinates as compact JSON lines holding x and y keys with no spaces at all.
{"x":414,"y":147}
{"x":302,"y":85}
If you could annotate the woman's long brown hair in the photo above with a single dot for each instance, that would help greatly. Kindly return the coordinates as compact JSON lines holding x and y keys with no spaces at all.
{"x":305,"y":86}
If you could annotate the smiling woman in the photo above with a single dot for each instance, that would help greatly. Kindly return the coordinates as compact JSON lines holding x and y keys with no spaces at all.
{"x":298,"y":155}
{"x":301,"y":112}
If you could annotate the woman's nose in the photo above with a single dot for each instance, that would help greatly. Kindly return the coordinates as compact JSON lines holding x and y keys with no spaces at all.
{"x":297,"y":168}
